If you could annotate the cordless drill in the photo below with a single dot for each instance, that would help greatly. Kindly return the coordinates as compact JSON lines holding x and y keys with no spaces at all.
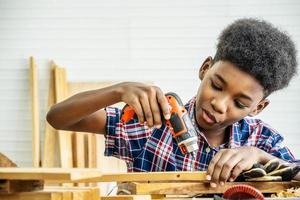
{"x":179,"y":123}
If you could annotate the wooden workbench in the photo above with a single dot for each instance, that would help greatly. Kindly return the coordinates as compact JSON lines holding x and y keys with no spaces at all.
{"x":151,"y":185}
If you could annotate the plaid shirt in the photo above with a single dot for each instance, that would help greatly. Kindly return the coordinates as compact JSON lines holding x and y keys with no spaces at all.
{"x":145,"y":149}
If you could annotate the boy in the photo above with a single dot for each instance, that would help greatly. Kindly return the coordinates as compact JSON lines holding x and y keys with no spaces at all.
{"x":253,"y":59}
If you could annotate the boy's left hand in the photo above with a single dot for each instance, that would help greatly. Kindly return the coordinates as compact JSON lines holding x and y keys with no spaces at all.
{"x":229,"y":163}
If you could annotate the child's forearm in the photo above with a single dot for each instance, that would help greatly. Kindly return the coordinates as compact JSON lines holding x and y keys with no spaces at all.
{"x":75,"y":108}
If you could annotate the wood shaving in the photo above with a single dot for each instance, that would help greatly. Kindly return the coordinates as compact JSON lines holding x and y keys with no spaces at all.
{"x":292,"y":192}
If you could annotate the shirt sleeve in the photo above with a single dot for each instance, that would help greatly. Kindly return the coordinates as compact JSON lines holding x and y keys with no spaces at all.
{"x":123,"y":141}
{"x":272,"y":142}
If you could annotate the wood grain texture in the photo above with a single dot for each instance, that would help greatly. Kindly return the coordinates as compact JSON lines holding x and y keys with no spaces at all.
{"x":33,"y":85}
{"x":94,"y":175}
{"x":193,"y":188}
{"x":13,"y":186}
{"x":65,"y":137}
{"x":51,"y":153}
{"x":127,"y":197}
{"x":56,"y":193}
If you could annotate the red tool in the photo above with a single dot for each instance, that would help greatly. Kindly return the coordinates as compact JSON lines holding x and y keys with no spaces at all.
{"x":242,"y":191}
{"x":179,"y":123}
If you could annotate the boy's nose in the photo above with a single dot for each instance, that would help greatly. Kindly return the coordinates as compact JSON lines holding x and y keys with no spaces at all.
{"x":219,"y":105}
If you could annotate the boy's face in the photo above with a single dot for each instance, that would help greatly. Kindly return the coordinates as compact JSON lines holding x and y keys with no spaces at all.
{"x":226,"y":95}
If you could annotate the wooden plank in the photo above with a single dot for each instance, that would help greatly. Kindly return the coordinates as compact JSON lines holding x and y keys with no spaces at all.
{"x":94,"y":175}
{"x":127,"y":197}
{"x":79,"y":154}
{"x":35,"y":112}
{"x":6,"y":162}
{"x":194,"y":188}
{"x":65,"y":147}
{"x":10,"y":186}
{"x":92,"y":154}
{"x":27,"y":196}
{"x":56,"y":193}
{"x":56,"y":196}
{"x":65,"y":137}
{"x":55,"y":174}
{"x":153,"y":176}
{"x":89,"y":193}
{"x":50,"y":156}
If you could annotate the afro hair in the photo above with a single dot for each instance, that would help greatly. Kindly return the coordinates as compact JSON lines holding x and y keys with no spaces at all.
{"x":261,"y":50}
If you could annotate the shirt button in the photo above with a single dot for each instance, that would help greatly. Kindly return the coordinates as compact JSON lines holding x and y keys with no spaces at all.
{"x":207,"y":149}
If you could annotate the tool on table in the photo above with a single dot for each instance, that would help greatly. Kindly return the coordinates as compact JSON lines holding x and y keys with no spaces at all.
{"x":271,"y":171}
{"x":242,"y":191}
{"x":179,"y":123}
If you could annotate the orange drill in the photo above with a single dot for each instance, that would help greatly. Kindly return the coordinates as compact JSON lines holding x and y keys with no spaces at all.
{"x":179,"y":123}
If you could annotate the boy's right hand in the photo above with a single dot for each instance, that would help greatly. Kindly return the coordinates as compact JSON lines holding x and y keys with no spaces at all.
{"x":147,"y":101}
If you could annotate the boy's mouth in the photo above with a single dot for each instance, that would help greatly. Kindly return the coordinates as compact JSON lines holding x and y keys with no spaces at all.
{"x":209,"y":118}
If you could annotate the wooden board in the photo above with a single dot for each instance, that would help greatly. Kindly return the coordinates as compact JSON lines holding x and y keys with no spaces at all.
{"x":50,"y":156}
{"x":92,"y":150}
{"x":33,"y":85}
{"x":12,"y":186}
{"x":127,"y":197}
{"x":32,"y":196}
{"x":79,"y":150}
{"x":59,"y":175}
{"x":56,"y":193}
{"x":77,"y":193}
{"x":65,"y":137}
{"x":194,"y":188}
{"x":94,"y":175}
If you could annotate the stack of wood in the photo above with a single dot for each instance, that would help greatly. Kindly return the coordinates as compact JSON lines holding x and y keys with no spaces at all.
{"x":69,"y":149}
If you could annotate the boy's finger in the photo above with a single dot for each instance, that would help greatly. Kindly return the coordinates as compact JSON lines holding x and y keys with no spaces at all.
{"x":147,"y":110}
{"x":138,"y":111}
{"x":228,"y":167}
{"x":219,"y":166}
{"x":155,"y":111}
{"x":211,"y":166}
{"x":164,"y":105}
{"x":239,"y":167}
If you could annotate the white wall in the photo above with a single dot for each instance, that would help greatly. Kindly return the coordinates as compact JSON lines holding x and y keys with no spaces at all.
{"x":138,"y":40}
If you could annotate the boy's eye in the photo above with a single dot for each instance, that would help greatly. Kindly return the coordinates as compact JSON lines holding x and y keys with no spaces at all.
{"x":214,"y":86}
{"x":239,"y":105}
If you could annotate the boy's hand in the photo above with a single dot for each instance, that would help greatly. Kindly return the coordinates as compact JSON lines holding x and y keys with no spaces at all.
{"x":229,"y":163}
{"x":147,"y":101}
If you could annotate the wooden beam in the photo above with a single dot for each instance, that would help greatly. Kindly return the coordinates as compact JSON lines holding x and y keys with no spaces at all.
{"x":58,"y":175}
{"x":50,"y":156}
{"x":94,"y":175}
{"x":194,"y":188}
{"x":79,"y":154}
{"x":92,"y":153}
{"x":127,"y":197}
{"x":77,"y":193}
{"x":35,"y":112}
{"x":12,"y":186}
{"x":153,"y":176}
{"x":65,"y":137}
{"x":30,"y":196}
{"x":6,"y":162}
{"x":56,"y":193}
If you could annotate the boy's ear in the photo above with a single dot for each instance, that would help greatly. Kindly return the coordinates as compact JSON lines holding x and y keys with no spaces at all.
{"x":261,"y":105}
{"x":205,"y":66}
